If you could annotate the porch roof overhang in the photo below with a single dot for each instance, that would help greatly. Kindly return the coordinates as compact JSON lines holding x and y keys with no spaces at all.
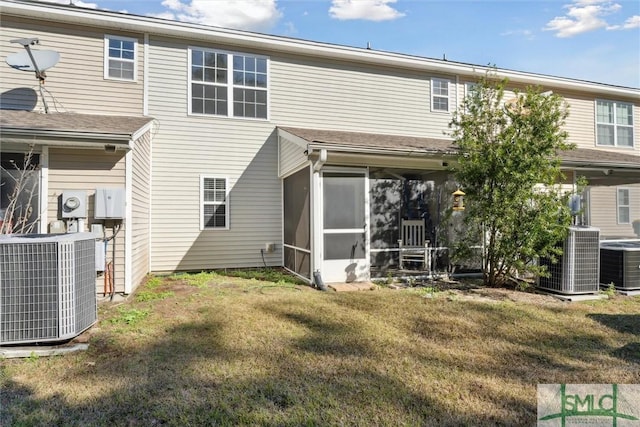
{"x":599,"y":166}
{"x":72,"y":129}
{"x":381,"y":150}
{"x":369,"y":143}
{"x":603,"y":168}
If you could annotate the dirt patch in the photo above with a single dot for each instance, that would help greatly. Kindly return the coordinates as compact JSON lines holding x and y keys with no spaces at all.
{"x":473,"y":290}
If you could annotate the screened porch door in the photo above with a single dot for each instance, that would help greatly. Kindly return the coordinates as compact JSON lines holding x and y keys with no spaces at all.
{"x":344,"y":201}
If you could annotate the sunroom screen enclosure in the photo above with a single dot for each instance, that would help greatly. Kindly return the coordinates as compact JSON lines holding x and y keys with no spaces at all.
{"x":297,"y":229}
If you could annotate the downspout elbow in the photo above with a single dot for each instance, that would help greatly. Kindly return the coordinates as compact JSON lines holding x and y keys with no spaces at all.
{"x":321,"y":160}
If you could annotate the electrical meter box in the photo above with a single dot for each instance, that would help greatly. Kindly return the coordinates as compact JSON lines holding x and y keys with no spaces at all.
{"x":74,"y":204}
{"x":109,"y":203}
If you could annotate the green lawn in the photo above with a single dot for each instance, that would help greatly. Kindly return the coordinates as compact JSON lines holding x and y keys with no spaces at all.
{"x":211,"y":349}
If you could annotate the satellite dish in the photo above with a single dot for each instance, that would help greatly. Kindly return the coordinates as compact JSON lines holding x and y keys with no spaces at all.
{"x":44,"y":59}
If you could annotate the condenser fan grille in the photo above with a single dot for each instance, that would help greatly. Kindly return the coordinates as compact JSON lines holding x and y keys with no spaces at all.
{"x":47,"y":287}
{"x":577,"y":270}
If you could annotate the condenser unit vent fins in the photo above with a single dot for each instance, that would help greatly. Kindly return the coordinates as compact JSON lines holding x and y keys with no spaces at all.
{"x":577,"y":270}
{"x":620,"y":264}
{"x":47,"y":287}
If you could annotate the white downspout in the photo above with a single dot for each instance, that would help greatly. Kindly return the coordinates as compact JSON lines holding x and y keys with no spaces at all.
{"x":321,"y":160}
{"x":316,"y":198}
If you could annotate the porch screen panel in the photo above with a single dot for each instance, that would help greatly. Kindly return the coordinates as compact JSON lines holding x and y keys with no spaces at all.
{"x":384,"y":217}
{"x":297,"y":232}
{"x":344,"y":246}
{"x":344,"y":209}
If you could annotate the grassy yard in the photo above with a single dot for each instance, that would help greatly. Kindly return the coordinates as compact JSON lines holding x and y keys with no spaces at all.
{"x":211,"y":349}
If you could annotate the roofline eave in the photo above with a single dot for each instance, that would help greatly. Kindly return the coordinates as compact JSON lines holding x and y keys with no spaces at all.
{"x":142,"y":24}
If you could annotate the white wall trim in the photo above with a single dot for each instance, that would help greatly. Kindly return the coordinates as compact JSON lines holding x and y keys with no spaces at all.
{"x":128,"y":237}
{"x":44,"y":190}
{"x":150,"y":243}
{"x":145,"y":76}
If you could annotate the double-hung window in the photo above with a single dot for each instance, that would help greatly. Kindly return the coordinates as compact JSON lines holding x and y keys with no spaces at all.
{"x":624,"y":206}
{"x":614,"y":124}
{"x":440,"y":95}
{"x":214,"y":203}
{"x":470,"y":91}
{"x":228,"y":84}
{"x":120,"y":55}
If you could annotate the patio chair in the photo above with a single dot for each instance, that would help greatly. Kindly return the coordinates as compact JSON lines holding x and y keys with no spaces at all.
{"x":412,"y":245}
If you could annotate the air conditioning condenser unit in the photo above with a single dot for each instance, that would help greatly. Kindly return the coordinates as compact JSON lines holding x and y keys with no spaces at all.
{"x":620,"y":264}
{"x":577,"y":270}
{"x":47,"y":287}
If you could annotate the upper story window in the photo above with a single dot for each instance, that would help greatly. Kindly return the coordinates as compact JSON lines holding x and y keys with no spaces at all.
{"x":120,"y":54}
{"x":470,"y":90}
{"x":614,"y":124}
{"x":228,"y":84}
{"x":440,"y":95}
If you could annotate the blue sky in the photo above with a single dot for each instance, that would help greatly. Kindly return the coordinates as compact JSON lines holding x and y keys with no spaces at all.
{"x":592,"y":40}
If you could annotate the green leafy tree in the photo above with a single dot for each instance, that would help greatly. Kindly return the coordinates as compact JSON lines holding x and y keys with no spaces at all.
{"x":510,"y":171}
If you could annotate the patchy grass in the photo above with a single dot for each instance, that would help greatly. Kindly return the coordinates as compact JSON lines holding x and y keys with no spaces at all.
{"x":249,"y":351}
{"x":129,"y":316}
{"x":151,"y":295}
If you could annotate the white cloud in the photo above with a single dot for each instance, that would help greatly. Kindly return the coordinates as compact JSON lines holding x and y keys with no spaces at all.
{"x":527,"y":34}
{"x":290,"y":28}
{"x":79,"y":3}
{"x":582,"y":16}
{"x":630,"y":23}
{"x":255,"y":15}
{"x":369,"y":10}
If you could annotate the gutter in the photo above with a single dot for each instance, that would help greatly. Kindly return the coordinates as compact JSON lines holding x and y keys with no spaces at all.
{"x":110,"y":142}
{"x":126,"y":138}
{"x":139,"y":24}
{"x":601,"y":166}
{"x":380,"y":151}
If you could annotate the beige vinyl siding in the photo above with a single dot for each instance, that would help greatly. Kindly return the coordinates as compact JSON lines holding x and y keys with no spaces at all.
{"x":76,"y":83}
{"x":302,"y":92}
{"x":85,"y":169}
{"x":254,"y":199}
{"x":352,"y":97}
{"x":291,"y":157}
{"x":603,"y":210}
{"x":186,"y":147}
{"x":581,"y":121}
{"x":141,"y":209}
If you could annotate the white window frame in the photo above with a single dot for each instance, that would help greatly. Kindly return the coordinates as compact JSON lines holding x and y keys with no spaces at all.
{"x":468,"y":87}
{"x":614,"y":124}
{"x":229,"y":84}
{"x":203,"y":202}
{"x":107,"y":58}
{"x":435,"y":95}
{"x":623,"y":206}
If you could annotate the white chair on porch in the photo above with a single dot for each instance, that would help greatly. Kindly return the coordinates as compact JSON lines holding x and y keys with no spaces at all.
{"x":412,"y":244}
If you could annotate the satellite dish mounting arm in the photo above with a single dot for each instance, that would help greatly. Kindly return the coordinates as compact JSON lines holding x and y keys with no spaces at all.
{"x":27,"y":43}
{"x":40,"y":75}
